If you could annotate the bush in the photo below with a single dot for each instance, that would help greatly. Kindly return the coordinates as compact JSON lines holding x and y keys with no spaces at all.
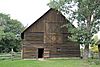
{"x":97,"y":62}
{"x":94,"y":61}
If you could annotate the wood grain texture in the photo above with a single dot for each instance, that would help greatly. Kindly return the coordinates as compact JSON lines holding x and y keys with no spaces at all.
{"x":47,"y":32}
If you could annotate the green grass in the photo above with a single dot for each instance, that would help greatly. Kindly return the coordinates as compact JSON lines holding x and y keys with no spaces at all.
{"x":47,"y":63}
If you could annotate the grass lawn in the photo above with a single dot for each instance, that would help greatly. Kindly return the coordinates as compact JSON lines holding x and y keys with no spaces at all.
{"x":47,"y":63}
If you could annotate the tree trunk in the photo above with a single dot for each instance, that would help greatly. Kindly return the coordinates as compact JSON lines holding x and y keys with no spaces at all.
{"x":86,"y":52}
{"x":99,"y":50}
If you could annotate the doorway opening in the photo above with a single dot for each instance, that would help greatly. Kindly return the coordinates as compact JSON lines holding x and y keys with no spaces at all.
{"x":40,"y":52}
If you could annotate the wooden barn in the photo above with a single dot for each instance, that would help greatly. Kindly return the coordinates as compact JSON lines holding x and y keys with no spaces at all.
{"x":46,"y":38}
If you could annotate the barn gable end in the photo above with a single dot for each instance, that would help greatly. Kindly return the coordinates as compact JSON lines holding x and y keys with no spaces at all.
{"x":46,"y":38}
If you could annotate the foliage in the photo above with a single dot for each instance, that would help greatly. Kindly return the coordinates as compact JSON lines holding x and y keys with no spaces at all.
{"x":87,"y":15}
{"x":94,"y":61}
{"x":95,"y":39}
{"x":10,"y":30}
{"x":94,"y":48}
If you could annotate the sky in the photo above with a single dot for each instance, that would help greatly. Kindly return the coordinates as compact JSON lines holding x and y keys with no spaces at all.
{"x":26,"y":11}
{"x":98,"y":34}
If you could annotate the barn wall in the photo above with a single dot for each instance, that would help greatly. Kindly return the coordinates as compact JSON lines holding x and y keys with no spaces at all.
{"x":57,"y":37}
{"x":31,"y":42}
{"x":29,"y":52}
{"x":65,"y":50}
{"x":54,"y":16}
{"x":33,"y":38}
{"x":47,"y":33}
{"x":54,"y":30}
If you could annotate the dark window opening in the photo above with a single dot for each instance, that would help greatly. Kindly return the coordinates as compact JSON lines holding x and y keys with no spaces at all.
{"x":40,"y":52}
{"x":58,"y":49}
{"x":22,"y":35}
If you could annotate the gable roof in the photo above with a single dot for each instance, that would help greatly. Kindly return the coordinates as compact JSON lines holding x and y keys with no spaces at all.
{"x":38,"y":19}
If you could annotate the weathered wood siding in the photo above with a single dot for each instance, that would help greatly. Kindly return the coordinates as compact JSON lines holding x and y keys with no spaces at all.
{"x":47,"y":32}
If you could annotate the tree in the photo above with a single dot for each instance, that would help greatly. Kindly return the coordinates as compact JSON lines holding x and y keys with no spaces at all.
{"x":10,"y":31}
{"x":87,"y":14}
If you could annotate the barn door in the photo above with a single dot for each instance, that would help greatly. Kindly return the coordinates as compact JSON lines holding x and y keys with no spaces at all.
{"x":40,"y":52}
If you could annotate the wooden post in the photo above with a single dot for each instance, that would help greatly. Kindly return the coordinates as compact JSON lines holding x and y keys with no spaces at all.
{"x":22,"y":53}
{"x":12,"y":54}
